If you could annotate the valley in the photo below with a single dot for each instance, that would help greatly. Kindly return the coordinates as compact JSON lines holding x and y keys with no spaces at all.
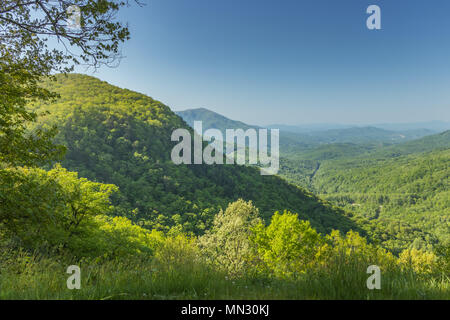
{"x":372,"y":173}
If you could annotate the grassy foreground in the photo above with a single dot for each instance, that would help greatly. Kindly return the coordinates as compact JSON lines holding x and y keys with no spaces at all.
{"x":46,"y":279}
{"x":240,"y":257}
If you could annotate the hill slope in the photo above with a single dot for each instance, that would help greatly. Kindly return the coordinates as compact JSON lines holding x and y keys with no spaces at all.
{"x":440,"y":141}
{"x":413,"y":189}
{"x":407,"y":182}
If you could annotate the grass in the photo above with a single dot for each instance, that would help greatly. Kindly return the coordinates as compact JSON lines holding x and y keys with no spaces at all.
{"x":46,"y":279}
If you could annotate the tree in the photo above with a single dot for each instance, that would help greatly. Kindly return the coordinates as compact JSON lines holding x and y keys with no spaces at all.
{"x":26,"y":26}
{"x":82,"y":198}
{"x":227,"y":243}
{"x":288,"y":245}
{"x":39,"y":207}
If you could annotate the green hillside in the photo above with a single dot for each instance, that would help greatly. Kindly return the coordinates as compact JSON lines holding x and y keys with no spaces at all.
{"x":413,"y":188}
{"x":300,"y":167}
{"x":406,"y":183}
{"x":440,"y":141}
{"x":122,"y":137}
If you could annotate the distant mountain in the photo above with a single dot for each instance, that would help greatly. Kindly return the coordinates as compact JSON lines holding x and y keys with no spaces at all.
{"x":367,"y":135}
{"x":308,"y":128}
{"x":333,"y":151}
{"x":211,"y":120}
{"x":431,"y":126}
{"x":435,"y":126}
{"x":295,"y":139}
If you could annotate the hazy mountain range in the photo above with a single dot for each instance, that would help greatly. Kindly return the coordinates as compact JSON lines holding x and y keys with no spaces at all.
{"x":307,"y":136}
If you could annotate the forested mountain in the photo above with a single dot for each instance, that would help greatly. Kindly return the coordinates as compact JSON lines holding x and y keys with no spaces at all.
{"x":211,"y":119}
{"x":122,"y":137}
{"x":355,"y":151}
{"x":358,"y":135}
{"x":440,"y":141}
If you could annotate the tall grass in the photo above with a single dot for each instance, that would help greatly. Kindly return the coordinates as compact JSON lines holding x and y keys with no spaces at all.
{"x":30,"y":277}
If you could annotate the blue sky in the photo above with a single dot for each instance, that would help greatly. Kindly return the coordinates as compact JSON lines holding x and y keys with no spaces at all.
{"x":292,"y":62}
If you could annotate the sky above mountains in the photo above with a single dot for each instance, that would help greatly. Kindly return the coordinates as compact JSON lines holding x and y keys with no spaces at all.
{"x":291,"y":62}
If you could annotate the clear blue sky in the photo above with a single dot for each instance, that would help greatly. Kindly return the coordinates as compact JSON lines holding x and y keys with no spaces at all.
{"x":292,"y":62}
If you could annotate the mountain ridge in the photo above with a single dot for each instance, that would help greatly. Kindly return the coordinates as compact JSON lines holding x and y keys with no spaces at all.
{"x":292,"y":140}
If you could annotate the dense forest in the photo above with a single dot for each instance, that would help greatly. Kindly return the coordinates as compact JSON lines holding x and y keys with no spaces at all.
{"x":403,"y":186}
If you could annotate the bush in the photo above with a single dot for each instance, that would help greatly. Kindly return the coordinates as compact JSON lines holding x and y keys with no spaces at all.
{"x":287,"y":246}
